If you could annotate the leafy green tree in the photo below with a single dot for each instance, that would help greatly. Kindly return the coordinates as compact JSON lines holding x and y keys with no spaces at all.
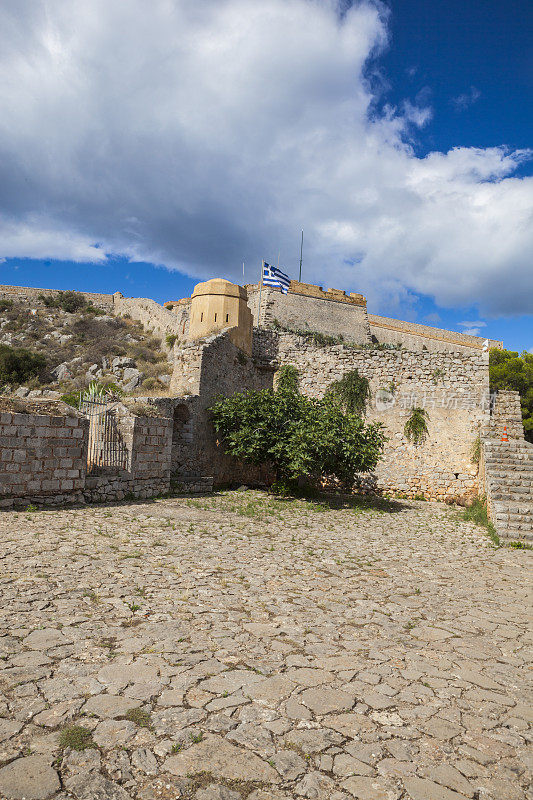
{"x":299,"y":436}
{"x":511,"y":371}
{"x":18,"y":364}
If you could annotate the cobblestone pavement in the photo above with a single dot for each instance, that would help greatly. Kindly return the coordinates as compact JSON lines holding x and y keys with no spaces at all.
{"x":237,"y":646}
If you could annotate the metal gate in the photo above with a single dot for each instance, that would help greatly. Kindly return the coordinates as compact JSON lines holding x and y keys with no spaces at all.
{"x":106,"y":446}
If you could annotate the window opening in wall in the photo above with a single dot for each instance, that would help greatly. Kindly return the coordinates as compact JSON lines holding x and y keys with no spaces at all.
{"x":201,"y":317}
{"x":227,"y":317}
{"x":215,"y":317}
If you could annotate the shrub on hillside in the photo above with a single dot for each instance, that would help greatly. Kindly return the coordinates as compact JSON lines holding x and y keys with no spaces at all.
{"x":68,"y":301}
{"x":299,"y":436}
{"x":18,"y":364}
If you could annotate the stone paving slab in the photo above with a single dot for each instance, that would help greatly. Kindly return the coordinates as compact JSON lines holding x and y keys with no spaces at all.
{"x":238,"y":646}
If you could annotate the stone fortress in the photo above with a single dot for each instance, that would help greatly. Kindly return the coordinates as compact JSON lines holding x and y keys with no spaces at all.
{"x":228,"y":338}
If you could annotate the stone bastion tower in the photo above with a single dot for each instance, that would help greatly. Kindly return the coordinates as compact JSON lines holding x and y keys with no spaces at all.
{"x":218,"y":305}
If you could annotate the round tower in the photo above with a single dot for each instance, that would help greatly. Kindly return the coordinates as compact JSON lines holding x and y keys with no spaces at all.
{"x":217,"y":305}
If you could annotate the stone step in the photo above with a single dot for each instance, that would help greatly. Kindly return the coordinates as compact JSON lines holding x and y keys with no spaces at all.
{"x":504,"y":453}
{"x":501,"y":497}
{"x":512,"y":510}
{"x":509,"y":480}
{"x":508,"y":458}
{"x":513,"y":458}
{"x":514,"y":535}
{"x":512,"y":478}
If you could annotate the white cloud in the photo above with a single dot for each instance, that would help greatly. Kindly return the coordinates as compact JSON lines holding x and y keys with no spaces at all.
{"x":433,"y":317}
{"x":472,"y":327}
{"x":196,"y":135}
{"x":466,"y":99}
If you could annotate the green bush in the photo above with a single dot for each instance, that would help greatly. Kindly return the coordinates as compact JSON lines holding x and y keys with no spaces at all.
{"x":69,"y":301}
{"x":6,"y":305}
{"x":171,"y":339}
{"x":18,"y":364}
{"x":300,"y":437}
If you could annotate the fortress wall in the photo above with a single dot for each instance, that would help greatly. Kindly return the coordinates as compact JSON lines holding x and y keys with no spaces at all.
{"x":27,"y":294}
{"x":204,"y":371}
{"x":320,"y":311}
{"x":423,"y":337}
{"x":453,"y":388}
{"x":150,"y":314}
{"x":182,"y":311}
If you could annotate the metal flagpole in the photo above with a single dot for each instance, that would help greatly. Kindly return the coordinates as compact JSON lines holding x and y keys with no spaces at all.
{"x":243,"y":273}
{"x":260,"y":288}
{"x":301,"y":255}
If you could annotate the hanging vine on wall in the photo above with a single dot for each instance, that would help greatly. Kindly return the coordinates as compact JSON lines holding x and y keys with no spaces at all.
{"x":352,"y":392}
{"x":416,"y":429}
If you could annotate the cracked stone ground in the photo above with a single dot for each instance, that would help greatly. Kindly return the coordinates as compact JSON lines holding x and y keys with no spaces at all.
{"x":239,"y":646}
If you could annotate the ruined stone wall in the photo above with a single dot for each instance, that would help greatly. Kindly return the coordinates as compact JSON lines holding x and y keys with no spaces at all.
{"x":454,"y":388}
{"x":42,"y":455}
{"x":30,"y":295}
{"x":203,"y":371}
{"x":150,"y":314}
{"x":182,"y":311}
{"x":413,"y":336}
{"x":325,"y":312}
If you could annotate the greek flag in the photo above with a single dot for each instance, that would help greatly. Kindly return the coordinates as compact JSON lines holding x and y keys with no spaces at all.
{"x":273,"y":276}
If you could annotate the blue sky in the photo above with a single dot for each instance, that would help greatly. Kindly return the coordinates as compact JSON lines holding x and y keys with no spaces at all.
{"x":394,"y":138}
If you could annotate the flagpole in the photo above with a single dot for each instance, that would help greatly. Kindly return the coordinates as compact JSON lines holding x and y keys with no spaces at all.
{"x":301,"y":256}
{"x":260,"y":287}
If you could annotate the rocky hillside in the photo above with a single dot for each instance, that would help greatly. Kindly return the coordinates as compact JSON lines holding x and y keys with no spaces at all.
{"x":61,"y":346}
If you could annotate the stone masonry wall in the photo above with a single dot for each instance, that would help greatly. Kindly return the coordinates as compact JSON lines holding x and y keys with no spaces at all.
{"x":423,"y":337}
{"x":149,"y":444}
{"x":454,"y":388}
{"x":328,"y":315}
{"x":42,"y":456}
{"x":203,"y":371}
{"x":31,"y":295}
{"x":150,"y":314}
{"x":506,"y":411}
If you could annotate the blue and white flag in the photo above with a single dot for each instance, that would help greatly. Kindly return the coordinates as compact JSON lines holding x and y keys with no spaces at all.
{"x":273,"y":276}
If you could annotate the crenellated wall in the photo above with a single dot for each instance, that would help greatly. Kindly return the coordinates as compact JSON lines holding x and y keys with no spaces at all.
{"x":307,"y":307}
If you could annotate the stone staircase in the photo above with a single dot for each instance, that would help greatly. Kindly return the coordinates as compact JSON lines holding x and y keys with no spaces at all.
{"x":508,"y":484}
